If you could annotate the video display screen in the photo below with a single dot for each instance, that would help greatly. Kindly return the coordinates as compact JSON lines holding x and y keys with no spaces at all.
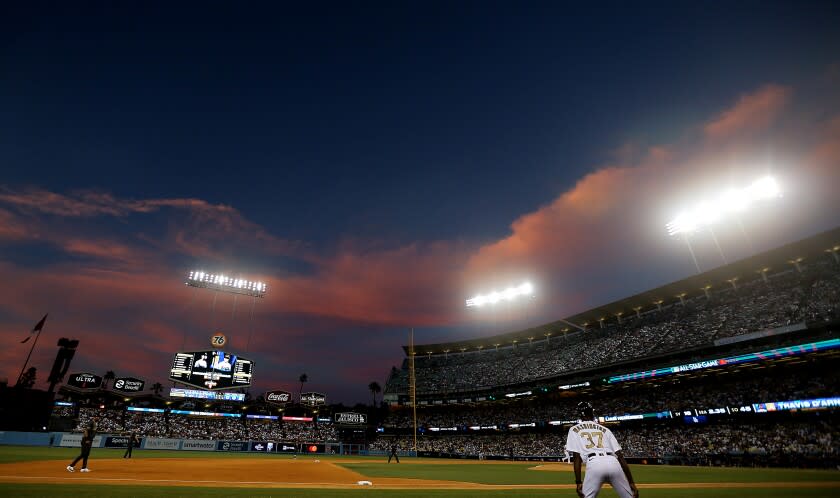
{"x":179,"y":392}
{"x":211,"y":370}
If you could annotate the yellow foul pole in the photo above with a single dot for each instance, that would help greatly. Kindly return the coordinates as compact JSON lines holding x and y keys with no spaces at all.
{"x":412,"y":389}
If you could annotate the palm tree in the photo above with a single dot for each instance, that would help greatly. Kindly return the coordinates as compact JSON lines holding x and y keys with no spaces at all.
{"x":303,"y":380}
{"x":375,"y":388}
{"x":109,"y":375}
{"x":157,"y":387}
{"x":27,"y":380}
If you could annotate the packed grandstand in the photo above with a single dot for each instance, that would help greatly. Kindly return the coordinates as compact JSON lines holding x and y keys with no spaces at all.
{"x":738,"y":365}
{"x":688,"y":373}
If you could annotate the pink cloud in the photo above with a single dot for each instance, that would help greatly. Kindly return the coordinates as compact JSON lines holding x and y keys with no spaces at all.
{"x":402,"y":285}
{"x":613,"y":218}
{"x":12,"y":227}
{"x":753,"y":111}
{"x":610,"y":220}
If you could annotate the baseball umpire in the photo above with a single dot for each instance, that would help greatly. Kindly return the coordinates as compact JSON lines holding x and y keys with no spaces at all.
{"x":87,"y":443}
{"x":591,"y":441}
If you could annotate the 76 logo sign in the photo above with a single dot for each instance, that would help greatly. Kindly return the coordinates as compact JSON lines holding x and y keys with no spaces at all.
{"x":218,"y":340}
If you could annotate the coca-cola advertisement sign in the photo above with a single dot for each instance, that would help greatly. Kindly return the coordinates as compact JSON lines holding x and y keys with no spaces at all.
{"x":85,"y":381}
{"x":278,"y":397}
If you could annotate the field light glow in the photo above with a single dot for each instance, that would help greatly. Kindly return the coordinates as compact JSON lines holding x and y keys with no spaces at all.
{"x":708,"y":213}
{"x":226,"y":284}
{"x":508,"y":294}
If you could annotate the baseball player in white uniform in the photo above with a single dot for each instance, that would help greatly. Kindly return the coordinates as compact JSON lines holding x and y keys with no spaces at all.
{"x":593,"y":443}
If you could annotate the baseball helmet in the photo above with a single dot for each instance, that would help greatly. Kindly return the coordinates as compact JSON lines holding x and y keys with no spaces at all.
{"x":585,"y":410}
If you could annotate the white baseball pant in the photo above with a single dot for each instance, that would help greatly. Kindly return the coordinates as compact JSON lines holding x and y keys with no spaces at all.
{"x":602,"y":469}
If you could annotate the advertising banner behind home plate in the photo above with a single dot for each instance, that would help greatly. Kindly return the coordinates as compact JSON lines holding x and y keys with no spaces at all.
{"x":75,"y":440}
{"x":161,"y":443}
{"x":232,"y":445}
{"x":116,"y":442}
{"x":198,"y":445}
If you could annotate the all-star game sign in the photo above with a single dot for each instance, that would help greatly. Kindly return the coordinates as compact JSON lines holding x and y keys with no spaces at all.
{"x":218,"y":340}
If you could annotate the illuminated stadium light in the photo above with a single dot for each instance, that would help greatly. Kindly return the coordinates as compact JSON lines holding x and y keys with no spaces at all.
{"x":226,"y":284}
{"x":732,"y":201}
{"x":508,"y":294}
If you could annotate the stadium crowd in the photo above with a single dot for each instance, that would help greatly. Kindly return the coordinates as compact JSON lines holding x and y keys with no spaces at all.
{"x":215,"y":428}
{"x":786,"y":298}
{"x":744,"y":389}
{"x":761,"y":444}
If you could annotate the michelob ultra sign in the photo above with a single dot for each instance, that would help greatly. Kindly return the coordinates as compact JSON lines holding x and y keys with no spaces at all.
{"x":85,"y":381}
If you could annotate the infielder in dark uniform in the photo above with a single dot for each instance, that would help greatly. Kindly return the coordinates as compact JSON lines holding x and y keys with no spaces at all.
{"x":133,"y":439}
{"x":393,"y":454}
{"x":87,"y":443}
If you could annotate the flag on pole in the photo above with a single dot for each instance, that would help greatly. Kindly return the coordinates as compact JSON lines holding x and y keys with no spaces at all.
{"x":36,"y":328}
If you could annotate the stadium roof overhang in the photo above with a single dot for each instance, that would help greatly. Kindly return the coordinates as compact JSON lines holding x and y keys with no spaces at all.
{"x":745,"y":270}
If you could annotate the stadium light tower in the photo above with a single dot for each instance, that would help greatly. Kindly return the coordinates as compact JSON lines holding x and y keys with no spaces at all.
{"x":226,"y":284}
{"x":730,"y":203}
{"x":222,"y":283}
{"x":509,"y":294}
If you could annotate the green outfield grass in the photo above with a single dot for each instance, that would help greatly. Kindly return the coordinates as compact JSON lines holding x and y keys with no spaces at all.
{"x":519,"y":473}
{"x":372,"y":467}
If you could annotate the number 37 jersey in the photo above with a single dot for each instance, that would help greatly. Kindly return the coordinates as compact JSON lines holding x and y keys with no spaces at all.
{"x":590,"y":437}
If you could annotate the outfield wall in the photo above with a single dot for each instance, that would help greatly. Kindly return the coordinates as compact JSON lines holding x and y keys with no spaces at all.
{"x":29,"y":438}
{"x":74,"y":440}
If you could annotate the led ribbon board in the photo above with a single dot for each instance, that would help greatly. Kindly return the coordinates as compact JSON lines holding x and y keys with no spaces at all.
{"x":798,"y":404}
{"x":177,"y":392}
{"x":770,"y":354}
{"x":204,"y":414}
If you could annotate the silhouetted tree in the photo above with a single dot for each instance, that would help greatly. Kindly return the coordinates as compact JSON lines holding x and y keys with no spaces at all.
{"x":303,"y":380}
{"x":375,"y":389}
{"x":27,"y":380}
{"x":109,"y":375}
{"x":157,"y":387}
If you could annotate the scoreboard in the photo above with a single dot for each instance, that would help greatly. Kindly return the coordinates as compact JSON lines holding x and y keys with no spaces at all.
{"x":211,"y":370}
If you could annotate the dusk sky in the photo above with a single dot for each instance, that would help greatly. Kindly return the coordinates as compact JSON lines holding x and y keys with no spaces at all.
{"x":378,"y":163}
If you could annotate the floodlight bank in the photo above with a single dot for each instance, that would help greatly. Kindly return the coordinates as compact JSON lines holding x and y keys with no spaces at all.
{"x":226,"y":284}
{"x":508,"y":294}
{"x":708,"y":213}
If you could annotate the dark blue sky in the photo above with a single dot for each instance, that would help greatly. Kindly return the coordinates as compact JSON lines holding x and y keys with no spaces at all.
{"x":369,"y":128}
{"x":430,"y":120}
